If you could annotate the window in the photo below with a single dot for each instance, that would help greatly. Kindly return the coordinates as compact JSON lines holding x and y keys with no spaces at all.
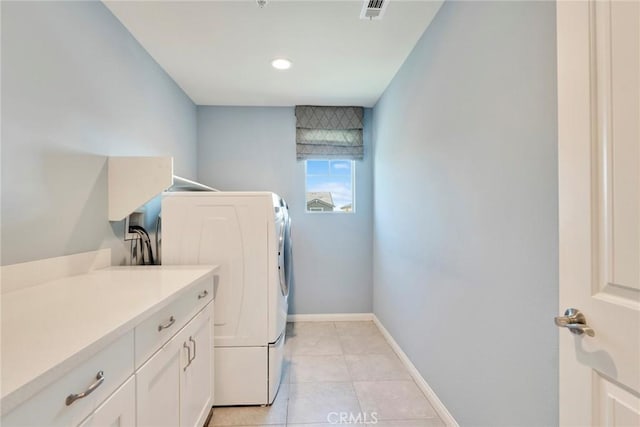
{"x":329,"y":185}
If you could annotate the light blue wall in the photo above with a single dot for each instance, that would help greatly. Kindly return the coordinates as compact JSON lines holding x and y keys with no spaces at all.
{"x":465,"y":225}
{"x":77,"y":87}
{"x":253,"y":148}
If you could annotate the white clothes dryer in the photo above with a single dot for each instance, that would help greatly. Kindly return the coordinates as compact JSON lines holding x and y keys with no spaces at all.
{"x":247,"y":234}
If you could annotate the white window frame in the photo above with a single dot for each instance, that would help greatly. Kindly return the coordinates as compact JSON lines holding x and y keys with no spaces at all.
{"x":318,"y":211}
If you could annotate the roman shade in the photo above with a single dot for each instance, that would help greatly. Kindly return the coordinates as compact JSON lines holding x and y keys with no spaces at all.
{"x":329,"y":132}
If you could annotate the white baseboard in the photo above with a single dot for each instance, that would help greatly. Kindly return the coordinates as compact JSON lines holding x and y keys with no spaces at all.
{"x":437,"y":404}
{"x":331,"y":317}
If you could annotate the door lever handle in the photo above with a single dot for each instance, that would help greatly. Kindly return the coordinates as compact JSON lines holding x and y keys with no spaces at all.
{"x":575,"y":321}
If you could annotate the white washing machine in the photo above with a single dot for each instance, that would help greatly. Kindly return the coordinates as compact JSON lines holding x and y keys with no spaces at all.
{"x":248,"y":235}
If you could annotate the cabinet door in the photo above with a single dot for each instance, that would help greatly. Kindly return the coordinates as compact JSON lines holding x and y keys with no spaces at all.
{"x":119,"y":410}
{"x":158,"y":387}
{"x":195,"y":380}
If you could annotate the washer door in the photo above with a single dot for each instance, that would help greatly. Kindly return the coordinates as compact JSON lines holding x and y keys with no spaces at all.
{"x":288,"y":261}
{"x":282,"y":269}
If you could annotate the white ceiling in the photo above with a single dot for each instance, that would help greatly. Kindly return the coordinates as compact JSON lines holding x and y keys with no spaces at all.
{"x":220,"y":52}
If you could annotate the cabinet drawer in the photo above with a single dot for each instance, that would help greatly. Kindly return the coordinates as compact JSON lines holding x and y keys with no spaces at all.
{"x":49,"y":408}
{"x":154,"y":332}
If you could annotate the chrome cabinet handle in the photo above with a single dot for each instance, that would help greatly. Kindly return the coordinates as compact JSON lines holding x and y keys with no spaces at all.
{"x":194,"y":348}
{"x":185,"y":345}
{"x":171,"y":321}
{"x":73,"y":397}
{"x":575,"y":321}
{"x":203,"y":294}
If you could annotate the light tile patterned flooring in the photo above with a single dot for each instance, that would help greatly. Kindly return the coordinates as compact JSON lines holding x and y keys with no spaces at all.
{"x":333,"y":368}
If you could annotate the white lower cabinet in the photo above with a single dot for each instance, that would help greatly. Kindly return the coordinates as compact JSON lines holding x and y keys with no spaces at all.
{"x":158,"y":388}
{"x":119,"y":410}
{"x":195,"y":381}
{"x":173,"y":388}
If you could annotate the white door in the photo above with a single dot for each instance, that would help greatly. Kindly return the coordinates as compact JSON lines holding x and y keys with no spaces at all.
{"x":158,"y":387}
{"x":195,"y":378}
{"x":599,"y":178}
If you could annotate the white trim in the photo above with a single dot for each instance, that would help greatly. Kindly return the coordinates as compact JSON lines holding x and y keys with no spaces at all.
{"x":31,"y":273}
{"x":422,"y":384}
{"x":331,"y":317}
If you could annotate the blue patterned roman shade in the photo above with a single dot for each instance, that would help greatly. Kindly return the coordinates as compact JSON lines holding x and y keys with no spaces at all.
{"x":329,"y":132}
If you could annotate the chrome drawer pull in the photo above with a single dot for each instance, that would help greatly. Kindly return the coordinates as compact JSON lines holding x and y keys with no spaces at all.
{"x":194,"y":348}
{"x":185,"y":345}
{"x":73,"y":397}
{"x":171,"y":321}
{"x":203,"y":294}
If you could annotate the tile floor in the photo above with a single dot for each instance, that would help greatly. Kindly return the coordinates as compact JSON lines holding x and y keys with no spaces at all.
{"x":334,"y":368}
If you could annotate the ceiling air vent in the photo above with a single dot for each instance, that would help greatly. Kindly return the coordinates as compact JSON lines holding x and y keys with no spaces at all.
{"x":373,"y":9}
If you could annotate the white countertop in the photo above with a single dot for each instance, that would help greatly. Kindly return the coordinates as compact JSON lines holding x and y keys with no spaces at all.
{"x":49,"y":328}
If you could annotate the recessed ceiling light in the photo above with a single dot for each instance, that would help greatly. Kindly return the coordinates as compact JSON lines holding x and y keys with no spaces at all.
{"x":281,"y":64}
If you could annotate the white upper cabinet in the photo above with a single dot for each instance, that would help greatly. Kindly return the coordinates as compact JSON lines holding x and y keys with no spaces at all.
{"x":133,"y":181}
